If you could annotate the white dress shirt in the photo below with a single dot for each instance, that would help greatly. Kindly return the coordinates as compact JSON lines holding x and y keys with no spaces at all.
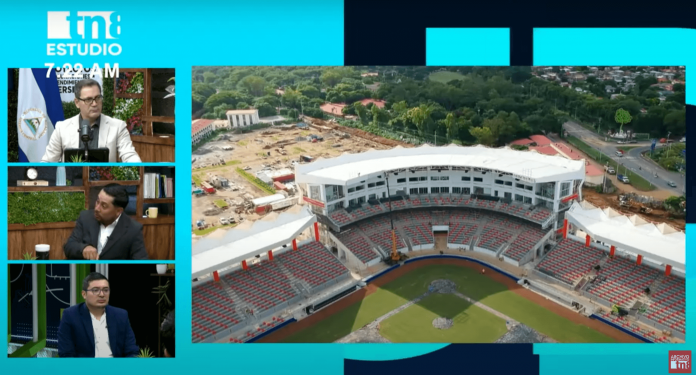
{"x":102,"y":346}
{"x":104,"y":233}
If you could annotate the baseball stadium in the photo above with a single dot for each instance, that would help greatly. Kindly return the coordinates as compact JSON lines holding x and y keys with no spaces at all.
{"x":445,"y":245}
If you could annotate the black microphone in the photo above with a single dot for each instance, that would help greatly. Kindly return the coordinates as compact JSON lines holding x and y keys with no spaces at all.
{"x":84,"y":131}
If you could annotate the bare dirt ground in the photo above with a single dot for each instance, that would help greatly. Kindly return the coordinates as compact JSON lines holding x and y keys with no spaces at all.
{"x":356,"y":297}
{"x":612,"y":200}
{"x":285,"y":146}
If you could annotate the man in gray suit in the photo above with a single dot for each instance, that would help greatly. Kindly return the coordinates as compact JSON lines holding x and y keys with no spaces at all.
{"x":106,"y":232}
{"x":104,"y":131}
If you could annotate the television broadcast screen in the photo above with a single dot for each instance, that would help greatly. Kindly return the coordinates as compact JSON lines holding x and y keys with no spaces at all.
{"x":374,"y":188}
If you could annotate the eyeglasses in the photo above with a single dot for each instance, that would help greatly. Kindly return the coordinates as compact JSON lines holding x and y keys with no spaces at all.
{"x":89,"y":101}
{"x":97,"y":291}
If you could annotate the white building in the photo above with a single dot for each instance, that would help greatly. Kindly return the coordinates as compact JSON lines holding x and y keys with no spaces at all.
{"x":221,"y":124}
{"x":238,"y":118}
{"x":524,"y":177}
{"x":200,"y":129}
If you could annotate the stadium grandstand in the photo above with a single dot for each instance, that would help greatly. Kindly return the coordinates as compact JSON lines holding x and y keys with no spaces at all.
{"x":260,"y":277}
{"x":523,"y":209}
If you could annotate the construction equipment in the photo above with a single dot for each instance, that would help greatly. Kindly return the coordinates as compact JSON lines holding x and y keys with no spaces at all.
{"x":626,"y":201}
{"x":395,"y":256}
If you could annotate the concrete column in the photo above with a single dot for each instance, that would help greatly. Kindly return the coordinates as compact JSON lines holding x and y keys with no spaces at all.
{"x":248,"y":120}
{"x":233,"y":120}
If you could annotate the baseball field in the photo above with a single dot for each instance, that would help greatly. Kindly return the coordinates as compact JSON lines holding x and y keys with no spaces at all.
{"x":477,"y":310}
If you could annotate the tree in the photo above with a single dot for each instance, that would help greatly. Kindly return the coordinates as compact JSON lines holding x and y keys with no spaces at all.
{"x":379,"y":115}
{"x":420,"y":116}
{"x":649,"y":94}
{"x":293,"y":113}
{"x":224,"y":97}
{"x":622,"y":117}
{"x":292,"y":98}
{"x":483,"y":135}
{"x":197,"y":102}
{"x":348,"y":110}
{"x":266,"y":110}
{"x":209,"y":77}
{"x":309,"y":91}
{"x":331,"y":77}
{"x":452,"y":126}
{"x":203,"y":89}
{"x":242,"y":105}
{"x":498,"y":127}
{"x":361,"y":111}
{"x":675,"y":121}
{"x":253,"y":85}
{"x":271,"y":100}
{"x":674,"y":204}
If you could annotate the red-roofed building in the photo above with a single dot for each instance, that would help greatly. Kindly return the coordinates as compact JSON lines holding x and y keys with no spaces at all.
{"x":335,"y":109}
{"x":546,"y":150}
{"x":593,"y":174}
{"x":566,"y":151}
{"x":540,"y":140}
{"x":522,"y":142}
{"x":200,"y":129}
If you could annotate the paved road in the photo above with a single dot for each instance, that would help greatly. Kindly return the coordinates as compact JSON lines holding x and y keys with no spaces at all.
{"x":632,"y":160}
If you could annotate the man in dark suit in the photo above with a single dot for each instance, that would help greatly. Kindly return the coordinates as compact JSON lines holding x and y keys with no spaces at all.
{"x":93,"y":329}
{"x":105,"y":232}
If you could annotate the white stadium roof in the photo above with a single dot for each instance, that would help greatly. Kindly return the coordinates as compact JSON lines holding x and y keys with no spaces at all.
{"x":660,"y":243}
{"x":212,"y":254}
{"x":349,"y":168}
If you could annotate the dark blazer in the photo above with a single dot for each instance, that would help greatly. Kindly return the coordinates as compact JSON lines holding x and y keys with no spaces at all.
{"x":125,"y":242}
{"x":76,"y":334}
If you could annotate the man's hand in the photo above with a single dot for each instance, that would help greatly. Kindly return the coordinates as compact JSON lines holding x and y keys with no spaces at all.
{"x":90,"y":253}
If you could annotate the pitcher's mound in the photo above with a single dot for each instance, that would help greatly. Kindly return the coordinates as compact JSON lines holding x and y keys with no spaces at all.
{"x":442,"y":323}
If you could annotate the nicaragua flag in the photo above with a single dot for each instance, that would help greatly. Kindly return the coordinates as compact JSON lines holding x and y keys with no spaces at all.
{"x":38,"y":108}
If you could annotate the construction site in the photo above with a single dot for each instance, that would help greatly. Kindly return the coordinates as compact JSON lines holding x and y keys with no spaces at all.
{"x":275,"y":151}
{"x":629,"y":203}
{"x":222,"y":197}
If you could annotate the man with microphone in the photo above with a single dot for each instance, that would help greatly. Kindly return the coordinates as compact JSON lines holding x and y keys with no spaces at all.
{"x":105,"y":232}
{"x":91,"y":125}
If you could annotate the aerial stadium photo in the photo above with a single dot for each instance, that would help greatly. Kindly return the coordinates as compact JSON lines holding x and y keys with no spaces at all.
{"x":412,"y":204}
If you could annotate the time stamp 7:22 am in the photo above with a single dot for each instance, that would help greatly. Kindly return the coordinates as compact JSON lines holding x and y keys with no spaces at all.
{"x":67,"y":71}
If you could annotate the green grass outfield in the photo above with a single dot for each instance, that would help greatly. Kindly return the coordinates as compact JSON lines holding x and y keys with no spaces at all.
{"x":445,"y":76}
{"x":471,"y":284}
{"x":472,"y":324}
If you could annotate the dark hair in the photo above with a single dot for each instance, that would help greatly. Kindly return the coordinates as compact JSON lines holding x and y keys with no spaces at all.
{"x":85,"y":83}
{"x":94,"y":276}
{"x":167,"y":331}
{"x":119,"y":193}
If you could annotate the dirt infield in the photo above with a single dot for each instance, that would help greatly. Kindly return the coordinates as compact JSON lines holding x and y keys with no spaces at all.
{"x":293,"y":328}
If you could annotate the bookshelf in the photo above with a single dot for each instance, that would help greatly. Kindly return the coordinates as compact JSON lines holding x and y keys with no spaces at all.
{"x":155,"y":144}
{"x":157,"y":232}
